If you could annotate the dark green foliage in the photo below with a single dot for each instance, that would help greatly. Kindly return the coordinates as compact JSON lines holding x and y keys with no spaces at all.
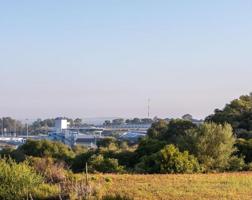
{"x":78,"y":164}
{"x":168,"y":160}
{"x":148,"y":164}
{"x":158,"y":129}
{"x":177,"y":129}
{"x":244,"y":149}
{"x":106,"y":165}
{"x":149,"y":146}
{"x":211,"y":143}
{"x":126,"y":158}
{"x":106,"y":142}
{"x":174,"y":132}
{"x":45,"y":148}
{"x":16,"y":155}
{"x":6,"y":152}
{"x":238,"y":113}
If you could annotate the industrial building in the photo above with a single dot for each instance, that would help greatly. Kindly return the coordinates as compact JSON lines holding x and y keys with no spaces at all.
{"x":71,"y":136}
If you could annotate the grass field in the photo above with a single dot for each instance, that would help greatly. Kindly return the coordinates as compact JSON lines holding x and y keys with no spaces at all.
{"x":228,"y":186}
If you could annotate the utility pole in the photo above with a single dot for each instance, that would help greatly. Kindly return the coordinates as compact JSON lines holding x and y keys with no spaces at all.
{"x":27,"y":131}
{"x":2,"y":126}
{"x":15,"y":129}
{"x":148,"y":107}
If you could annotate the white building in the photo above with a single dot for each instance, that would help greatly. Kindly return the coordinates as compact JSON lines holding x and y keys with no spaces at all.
{"x":61,"y":124}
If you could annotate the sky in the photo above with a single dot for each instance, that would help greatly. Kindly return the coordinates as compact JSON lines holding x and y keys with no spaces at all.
{"x":96,"y":58}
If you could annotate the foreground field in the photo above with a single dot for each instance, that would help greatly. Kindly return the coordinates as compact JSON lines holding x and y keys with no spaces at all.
{"x":228,"y":186}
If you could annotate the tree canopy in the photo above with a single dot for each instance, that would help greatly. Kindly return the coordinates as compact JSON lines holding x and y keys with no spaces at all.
{"x":238,"y":113}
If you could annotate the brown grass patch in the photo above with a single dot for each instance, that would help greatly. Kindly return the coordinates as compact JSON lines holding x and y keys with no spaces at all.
{"x":224,"y":186}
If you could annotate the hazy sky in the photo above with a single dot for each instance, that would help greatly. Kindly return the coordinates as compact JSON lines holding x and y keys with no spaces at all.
{"x":93,"y":58}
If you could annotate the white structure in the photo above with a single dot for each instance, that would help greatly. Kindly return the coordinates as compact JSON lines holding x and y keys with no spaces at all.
{"x":61,"y":124}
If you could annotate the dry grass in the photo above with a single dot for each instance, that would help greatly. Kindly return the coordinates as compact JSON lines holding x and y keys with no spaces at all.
{"x":225,"y":186}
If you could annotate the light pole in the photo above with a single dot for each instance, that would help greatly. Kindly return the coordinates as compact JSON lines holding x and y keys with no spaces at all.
{"x":2,"y":127}
{"x":15,"y":129}
{"x":27,"y":131}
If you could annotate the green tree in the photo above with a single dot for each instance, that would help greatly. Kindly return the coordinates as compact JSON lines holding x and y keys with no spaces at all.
{"x":214,"y":145}
{"x":175,"y":132}
{"x":177,"y":129}
{"x":244,"y":149}
{"x":238,"y":113}
{"x":148,"y":146}
{"x":158,"y":129}
{"x":168,"y":160}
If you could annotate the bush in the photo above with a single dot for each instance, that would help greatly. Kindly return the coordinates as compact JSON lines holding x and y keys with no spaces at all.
{"x":248,"y":167}
{"x":169,"y":160}
{"x":174,"y":161}
{"x":17,"y":180}
{"x":105,"y":165}
{"x":53,"y":172}
{"x":15,"y":154}
{"x":46,"y":148}
{"x":236,"y":164}
{"x":79,"y":162}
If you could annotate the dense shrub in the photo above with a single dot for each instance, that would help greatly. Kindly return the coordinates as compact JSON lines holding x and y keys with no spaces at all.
{"x":46,"y":148}
{"x":175,"y":132}
{"x":126,"y":158}
{"x":174,"y":161}
{"x":106,"y":165}
{"x":52,"y":171}
{"x":16,"y":155}
{"x":79,"y":162}
{"x":236,"y":164}
{"x":17,"y":180}
{"x":149,"y":146}
{"x":169,"y":160}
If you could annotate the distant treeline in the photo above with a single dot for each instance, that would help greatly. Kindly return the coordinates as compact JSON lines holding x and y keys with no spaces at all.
{"x":222,"y":143}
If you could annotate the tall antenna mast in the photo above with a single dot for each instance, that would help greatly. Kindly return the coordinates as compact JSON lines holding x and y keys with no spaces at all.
{"x":148,"y":107}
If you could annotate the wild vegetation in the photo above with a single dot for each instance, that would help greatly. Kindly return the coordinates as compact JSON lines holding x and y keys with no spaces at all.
{"x":51,"y":170}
